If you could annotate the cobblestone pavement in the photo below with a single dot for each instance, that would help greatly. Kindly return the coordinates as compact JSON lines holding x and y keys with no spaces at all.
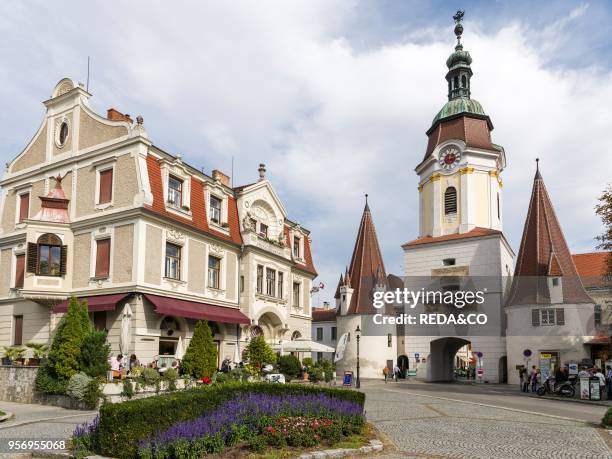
{"x":426,"y":426}
{"x":39,"y":422}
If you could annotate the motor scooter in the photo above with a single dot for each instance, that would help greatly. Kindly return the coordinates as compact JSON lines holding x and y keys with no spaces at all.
{"x":564,"y":389}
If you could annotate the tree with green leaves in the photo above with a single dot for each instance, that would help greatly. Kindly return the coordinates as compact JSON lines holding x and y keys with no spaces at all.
{"x":604,"y":210}
{"x":95,"y":352}
{"x":67,"y":343}
{"x":200,"y":359}
{"x":258,"y":354}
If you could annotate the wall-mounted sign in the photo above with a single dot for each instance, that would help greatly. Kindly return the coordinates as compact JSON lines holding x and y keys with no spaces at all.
{"x":348,"y":378}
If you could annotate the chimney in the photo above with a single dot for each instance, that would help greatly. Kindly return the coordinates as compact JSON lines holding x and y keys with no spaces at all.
{"x":262,"y":171}
{"x":221,"y":177}
{"x":116,"y":115}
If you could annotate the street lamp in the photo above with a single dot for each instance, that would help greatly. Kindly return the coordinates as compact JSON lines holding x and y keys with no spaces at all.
{"x":357,"y":334}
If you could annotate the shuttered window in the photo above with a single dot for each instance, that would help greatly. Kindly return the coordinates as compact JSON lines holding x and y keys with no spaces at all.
{"x":106,"y":186}
{"x":18,"y":330}
{"x":47,"y":257}
{"x":103,"y":257}
{"x":560,"y":316}
{"x":535,"y":317}
{"x":450,"y":200}
{"x":24,"y":206}
{"x":19,"y":270}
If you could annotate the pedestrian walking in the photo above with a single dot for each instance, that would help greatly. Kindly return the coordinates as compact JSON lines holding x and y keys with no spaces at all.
{"x":602,"y":382}
{"x":534,"y":378}
{"x":396,"y":373}
{"x":609,"y":381}
{"x":386,"y":373}
{"x":524,"y":378}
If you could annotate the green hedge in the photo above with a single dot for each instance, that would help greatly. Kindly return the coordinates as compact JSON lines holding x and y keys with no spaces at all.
{"x":607,"y":419}
{"x":123,"y":425}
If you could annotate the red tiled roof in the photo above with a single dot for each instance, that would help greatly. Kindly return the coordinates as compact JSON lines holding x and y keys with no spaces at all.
{"x":367,"y":267}
{"x":592,"y":268}
{"x":542,"y":247}
{"x":474,"y":132}
{"x":198,"y":205}
{"x":323,"y":315}
{"x":476,"y":232}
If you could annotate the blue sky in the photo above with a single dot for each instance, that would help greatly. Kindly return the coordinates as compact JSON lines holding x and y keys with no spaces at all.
{"x":335,"y":97}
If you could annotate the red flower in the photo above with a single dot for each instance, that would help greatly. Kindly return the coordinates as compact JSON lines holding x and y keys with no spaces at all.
{"x":205,"y":380}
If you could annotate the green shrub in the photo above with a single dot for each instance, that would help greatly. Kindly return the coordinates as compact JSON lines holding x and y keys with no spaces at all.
{"x":48,"y":384}
{"x":66,"y":347}
{"x":93,"y":393}
{"x":258,"y":353}
{"x":95,"y":351}
{"x":200,"y":358}
{"x":316,"y":374}
{"x":327,"y":368}
{"x":128,"y":389}
{"x":290,"y":366}
{"x":77,"y":386}
{"x":123,"y":425}
{"x":149,"y":377}
{"x":308,"y":363}
{"x":607,"y":419}
{"x":170,"y":376}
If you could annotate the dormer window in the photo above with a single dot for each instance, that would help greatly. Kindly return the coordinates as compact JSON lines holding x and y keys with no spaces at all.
{"x":555,"y":281}
{"x":296,"y":246}
{"x":263,"y":230}
{"x":215,"y":210}
{"x":175,"y":191}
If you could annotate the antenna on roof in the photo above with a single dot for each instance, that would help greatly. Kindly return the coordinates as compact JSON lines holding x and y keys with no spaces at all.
{"x":87,"y":86}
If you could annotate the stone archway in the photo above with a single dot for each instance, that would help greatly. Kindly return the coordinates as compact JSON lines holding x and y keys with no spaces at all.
{"x":271,"y":326}
{"x":441,"y":362}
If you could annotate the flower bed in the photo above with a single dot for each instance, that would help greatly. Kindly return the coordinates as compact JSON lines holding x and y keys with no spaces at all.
{"x":261,"y":419}
{"x":229,"y":412}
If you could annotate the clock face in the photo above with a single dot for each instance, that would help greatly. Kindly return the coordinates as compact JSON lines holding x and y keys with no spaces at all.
{"x":449,"y":157}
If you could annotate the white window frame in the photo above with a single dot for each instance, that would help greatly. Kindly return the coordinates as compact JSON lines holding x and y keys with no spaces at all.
{"x":101,"y":168}
{"x":220,"y":279}
{"x":548,"y":323}
{"x":177,"y":170}
{"x":181,"y":277}
{"x":299,"y":303}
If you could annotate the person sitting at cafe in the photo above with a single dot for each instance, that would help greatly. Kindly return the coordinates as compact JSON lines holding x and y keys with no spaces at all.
{"x":115,"y":362}
{"x":163,"y":368}
{"x":133,"y":362}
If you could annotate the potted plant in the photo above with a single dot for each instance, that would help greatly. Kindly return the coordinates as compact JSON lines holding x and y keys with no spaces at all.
{"x":12,"y":354}
{"x":307,"y":365}
{"x":39,"y":352}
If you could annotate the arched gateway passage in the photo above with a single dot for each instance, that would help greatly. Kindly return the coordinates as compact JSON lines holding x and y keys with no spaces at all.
{"x":442,"y":358}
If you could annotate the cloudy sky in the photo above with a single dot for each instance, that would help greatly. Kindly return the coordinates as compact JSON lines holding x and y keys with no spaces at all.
{"x":334,"y":96}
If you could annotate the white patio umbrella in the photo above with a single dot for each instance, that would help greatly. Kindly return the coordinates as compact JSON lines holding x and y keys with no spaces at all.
{"x":124,"y":337}
{"x":180,"y":348}
{"x":302,"y":345}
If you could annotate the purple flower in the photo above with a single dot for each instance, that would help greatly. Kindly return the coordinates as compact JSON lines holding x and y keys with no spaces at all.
{"x":251,"y":410}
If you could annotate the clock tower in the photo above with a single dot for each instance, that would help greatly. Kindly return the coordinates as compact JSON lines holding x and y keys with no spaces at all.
{"x":460,"y":243}
{"x":460,"y":185}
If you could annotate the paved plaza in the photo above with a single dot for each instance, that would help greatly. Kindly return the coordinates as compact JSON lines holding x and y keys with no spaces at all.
{"x":428,"y":425}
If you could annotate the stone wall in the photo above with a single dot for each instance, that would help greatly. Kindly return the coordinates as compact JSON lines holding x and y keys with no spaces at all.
{"x":17,"y":383}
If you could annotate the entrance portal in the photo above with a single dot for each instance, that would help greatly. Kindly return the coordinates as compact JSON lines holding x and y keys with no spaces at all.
{"x":443,"y":358}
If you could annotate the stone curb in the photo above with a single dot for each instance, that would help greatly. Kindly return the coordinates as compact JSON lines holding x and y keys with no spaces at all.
{"x":375,"y":446}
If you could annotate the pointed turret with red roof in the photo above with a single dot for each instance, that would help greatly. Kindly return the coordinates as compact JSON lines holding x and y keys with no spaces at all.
{"x":367,"y":270}
{"x":544,"y":254}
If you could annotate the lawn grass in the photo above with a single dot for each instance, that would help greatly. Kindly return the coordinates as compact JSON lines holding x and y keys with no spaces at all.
{"x":2,"y":413}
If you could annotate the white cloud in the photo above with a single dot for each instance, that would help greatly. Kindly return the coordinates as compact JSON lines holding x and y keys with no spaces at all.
{"x":281,"y":83}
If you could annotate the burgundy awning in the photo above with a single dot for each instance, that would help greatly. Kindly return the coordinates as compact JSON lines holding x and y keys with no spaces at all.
{"x":95,"y":303}
{"x":195,"y":310}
